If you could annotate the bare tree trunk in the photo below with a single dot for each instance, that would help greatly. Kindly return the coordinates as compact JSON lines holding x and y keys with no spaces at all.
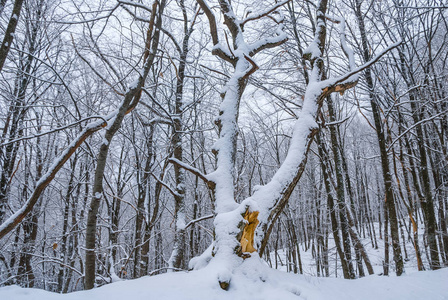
{"x":73,"y":242}
{"x":427,"y":203}
{"x":30,"y":227}
{"x":345,"y":227}
{"x":10,"y":32}
{"x":177,"y":259}
{"x":331,"y":207}
{"x":386,"y":243}
{"x":387,"y":178}
{"x":13,"y":128}
{"x":130,"y":100}
{"x":409,"y":202}
{"x":143,"y":200}
{"x":65,"y":227}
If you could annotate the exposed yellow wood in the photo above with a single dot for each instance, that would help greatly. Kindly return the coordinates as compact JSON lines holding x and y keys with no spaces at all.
{"x":247,"y":239}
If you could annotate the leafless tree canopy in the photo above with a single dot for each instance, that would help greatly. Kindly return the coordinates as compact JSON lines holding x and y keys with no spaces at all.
{"x":143,"y":137}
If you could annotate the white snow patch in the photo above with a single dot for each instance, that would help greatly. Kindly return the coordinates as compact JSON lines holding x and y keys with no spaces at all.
{"x":254,"y":280}
{"x":181,"y":223}
{"x":201,"y":261}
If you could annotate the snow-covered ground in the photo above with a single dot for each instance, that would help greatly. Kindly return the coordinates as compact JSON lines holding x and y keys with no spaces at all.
{"x":254,"y":280}
{"x":376,"y":256}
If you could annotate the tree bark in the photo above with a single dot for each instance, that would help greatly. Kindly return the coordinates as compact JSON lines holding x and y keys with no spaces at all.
{"x":131,"y":99}
{"x":387,"y":178}
{"x":10,"y":32}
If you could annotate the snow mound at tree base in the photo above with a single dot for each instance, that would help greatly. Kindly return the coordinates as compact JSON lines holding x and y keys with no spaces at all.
{"x":255,"y":281}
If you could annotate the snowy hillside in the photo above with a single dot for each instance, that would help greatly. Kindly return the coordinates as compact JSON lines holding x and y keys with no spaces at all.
{"x":254,"y":280}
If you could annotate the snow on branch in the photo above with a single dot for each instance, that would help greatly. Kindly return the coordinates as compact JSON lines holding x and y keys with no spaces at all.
{"x":52,"y":131}
{"x":269,"y":42}
{"x":109,"y":11}
{"x":415,"y":125}
{"x":135,"y":4}
{"x":345,"y":48}
{"x":175,"y":194}
{"x":156,"y":120}
{"x":198,"y":220}
{"x":128,"y":104}
{"x":193,"y":170}
{"x":252,"y":17}
{"x":348,"y":80}
{"x":272,"y":197}
{"x":131,"y":98}
{"x":19,"y":215}
{"x":217,"y":50}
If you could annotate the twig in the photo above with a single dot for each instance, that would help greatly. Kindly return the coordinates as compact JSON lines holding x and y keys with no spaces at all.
{"x":198,"y":220}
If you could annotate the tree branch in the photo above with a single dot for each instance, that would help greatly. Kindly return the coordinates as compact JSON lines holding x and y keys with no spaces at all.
{"x":198,"y":220}
{"x":194,"y":171}
{"x":342,"y":83}
{"x":217,"y":50}
{"x":264,"y":13}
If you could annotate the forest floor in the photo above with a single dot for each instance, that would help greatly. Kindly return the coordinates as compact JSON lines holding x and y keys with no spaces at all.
{"x":255,"y":280}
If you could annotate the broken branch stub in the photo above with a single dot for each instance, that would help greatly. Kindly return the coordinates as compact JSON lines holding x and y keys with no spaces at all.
{"x":248,"y":233}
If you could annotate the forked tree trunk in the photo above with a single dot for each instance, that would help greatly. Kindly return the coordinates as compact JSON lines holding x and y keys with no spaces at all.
{"x":234,"y":223}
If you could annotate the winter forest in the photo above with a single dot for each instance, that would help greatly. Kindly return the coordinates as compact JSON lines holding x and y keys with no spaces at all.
{"x":148,"y":137}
